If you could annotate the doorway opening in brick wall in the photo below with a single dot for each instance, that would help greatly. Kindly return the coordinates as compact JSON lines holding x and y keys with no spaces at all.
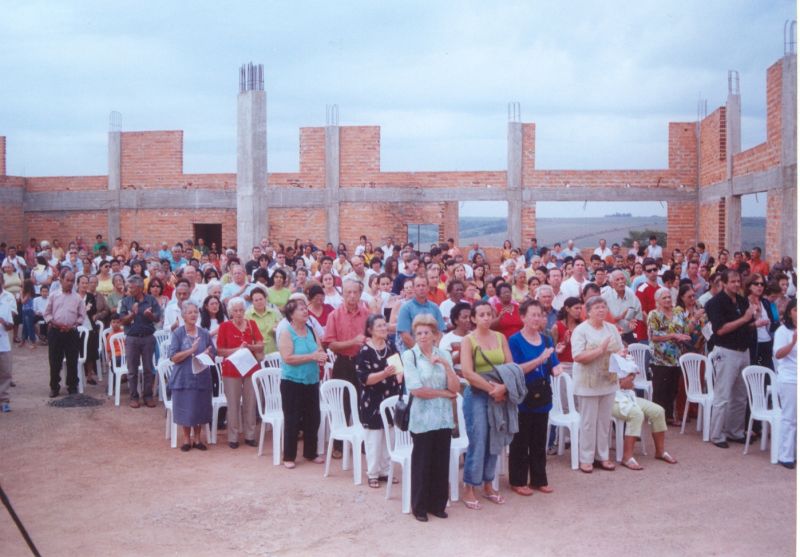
{"x":484,"y":222}
{"x":754,"y":221}
{"x":586,"y":223}
{"x":210,"y":233}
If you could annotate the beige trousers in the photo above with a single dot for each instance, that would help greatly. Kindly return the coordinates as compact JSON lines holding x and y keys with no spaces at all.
{"x":595,"y":414}
{"x":241,"y":398}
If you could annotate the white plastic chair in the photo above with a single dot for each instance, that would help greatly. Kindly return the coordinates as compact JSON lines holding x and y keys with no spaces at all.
{"x":399,"y":444}
{"x":641,"y":382}
{"x":755,"y":382}
{"x":352,"y":436}
{"x":83,"y":334}
{"x":328,"y":368}
{"x":690,"y":368}
{"x":267,"y":384}
{"x":570,"y":419}
{"x":217,"y":402}
{"x":119,"y":366}
{"x":102,"y":348}
{"x":162,"y":340}
{"x":171,"y":428}
{"x":100,"y":351}
{"x":619,"y":434}
{"x":458,"y":447}
{"x":273,"y":360}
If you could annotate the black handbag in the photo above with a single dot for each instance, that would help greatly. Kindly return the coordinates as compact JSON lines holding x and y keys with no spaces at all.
{"x":402,"y":408}
{"x":540,"y":393}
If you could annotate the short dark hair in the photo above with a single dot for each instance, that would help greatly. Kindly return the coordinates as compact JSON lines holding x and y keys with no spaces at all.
{"x":457,"y":309}
{"x":528,"y":303}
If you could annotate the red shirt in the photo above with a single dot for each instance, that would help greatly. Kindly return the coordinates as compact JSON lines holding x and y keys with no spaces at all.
{"x":762,"y":268}
{"x":437,"y":296}
{"x":230,"y":336}
{"x":327,"y":309}
{"x":566,"y":355}
{"x":510,"y":323}
{"x":647,"y":297}
{"x":344,"y":325}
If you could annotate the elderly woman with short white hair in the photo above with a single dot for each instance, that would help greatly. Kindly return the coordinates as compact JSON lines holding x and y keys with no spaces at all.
{"x":236,"y":333}
{"x":593,"y":343}
{"x":191,"y":392}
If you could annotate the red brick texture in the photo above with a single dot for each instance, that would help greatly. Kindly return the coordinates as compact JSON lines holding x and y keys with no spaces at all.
{"x":152,"y":226}
{"x":2,"y":155}
{"x":152,"y":159}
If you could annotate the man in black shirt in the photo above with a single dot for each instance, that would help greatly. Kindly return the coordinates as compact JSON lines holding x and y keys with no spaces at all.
{"x":732,"y":321}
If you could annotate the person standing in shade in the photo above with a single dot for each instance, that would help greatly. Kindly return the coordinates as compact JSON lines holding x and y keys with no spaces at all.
{"x":785,"y":351}
{"x":139,"y":312}
{"x":65,"y":311}
{"x":733,"y":322}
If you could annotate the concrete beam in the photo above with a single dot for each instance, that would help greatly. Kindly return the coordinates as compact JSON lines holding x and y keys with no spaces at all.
{"x":766,"y":180}
{"x":11,"y":196}
{"x":332,"y":182}
{"x":114,"y":182}
{"x":733,"y":140}
{"x":733,"y":222}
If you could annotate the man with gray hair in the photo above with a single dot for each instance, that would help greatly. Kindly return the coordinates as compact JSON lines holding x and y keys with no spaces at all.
{"x":139,"y":312}
{"x":624,"y":308}
{"x":545,"y":295}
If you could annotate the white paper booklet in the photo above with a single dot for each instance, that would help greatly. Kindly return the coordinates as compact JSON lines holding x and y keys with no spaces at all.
{"x":201,"y":362}
{"x":622,"y":366}
{"x":243,"y":360}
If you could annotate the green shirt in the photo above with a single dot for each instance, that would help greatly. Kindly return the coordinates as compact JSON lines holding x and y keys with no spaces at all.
{"x":266,"y":325}
{"x":279,"y":298}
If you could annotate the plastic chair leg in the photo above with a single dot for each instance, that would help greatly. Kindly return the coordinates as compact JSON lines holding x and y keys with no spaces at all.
{"x":774,"y":441}
{"x":214,"y":422}
{"x":406,"y":486}
{"x":261,"y":439}
{"x":328,"y":456}
{"x":117,"y":387}
{"x":389,"y":481}
{"x":574,"y":444}
{"x":111,"y":377}
{"x":346,"y":447}
{"x":277,"y":430}
{"x":357,"y":461}
{"x":747,"y":437}
{"x":685,"y":415}
{"x":173,"y":431}
{"x":706,"y":413}
{"x":453,"y":475}
{"x":764,"y":428}
{"x":166,"y":425}
{"x":81,"y":377}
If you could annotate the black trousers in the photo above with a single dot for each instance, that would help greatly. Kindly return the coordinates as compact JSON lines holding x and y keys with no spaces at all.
{"x":60,"y":345}
{"x":300,"y":402}
{"x":430,"y":463}
{"x":527,"y":457}
{"x":344,"y":368}
{"x":665,"y":388}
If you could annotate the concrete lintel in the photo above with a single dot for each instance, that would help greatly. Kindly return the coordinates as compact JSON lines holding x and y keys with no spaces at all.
{"x":129,"y":199}
{"x":12,"y":196}
{"x":770,"y":179}
{"x":586,"y":193}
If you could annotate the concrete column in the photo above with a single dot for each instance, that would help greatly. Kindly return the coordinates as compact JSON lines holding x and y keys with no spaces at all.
{"x":114,"y":182}
{"x":788,"y":236}
{"x":514,"y":183}
{"x":252,"y":219}
{"x":332,"y":182}
{"x":733,"y":222}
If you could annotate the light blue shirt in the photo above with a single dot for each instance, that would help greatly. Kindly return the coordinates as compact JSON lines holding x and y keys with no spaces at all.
{"x":411,"y":309}
{"x":427,"y":414}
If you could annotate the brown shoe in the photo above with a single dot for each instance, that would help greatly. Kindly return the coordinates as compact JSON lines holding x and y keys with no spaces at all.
{"x":134,"y":404}
{"x":150,"y":403}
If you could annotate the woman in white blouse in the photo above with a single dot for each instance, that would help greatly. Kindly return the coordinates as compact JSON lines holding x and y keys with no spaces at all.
{"x":785,"y":352}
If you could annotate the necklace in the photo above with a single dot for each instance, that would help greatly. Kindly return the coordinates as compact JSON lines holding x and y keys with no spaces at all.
{"x":378,"y":353}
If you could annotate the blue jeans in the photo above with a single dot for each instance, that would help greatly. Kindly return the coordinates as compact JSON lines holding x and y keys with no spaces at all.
{"x":479,"y":464}
{"x":28,"y":325}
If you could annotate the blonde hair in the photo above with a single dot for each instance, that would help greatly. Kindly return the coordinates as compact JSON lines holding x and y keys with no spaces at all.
{"x":425,"y":320}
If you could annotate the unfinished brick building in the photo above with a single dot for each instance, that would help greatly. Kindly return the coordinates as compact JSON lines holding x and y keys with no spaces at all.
{"x":340,"y":191}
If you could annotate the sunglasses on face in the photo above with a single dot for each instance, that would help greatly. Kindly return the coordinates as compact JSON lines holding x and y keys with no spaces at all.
{"x":650,"y":270}
{"x":758,"y":284}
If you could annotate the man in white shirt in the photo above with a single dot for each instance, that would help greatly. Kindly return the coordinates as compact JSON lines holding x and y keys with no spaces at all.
{"x":624,"y":308}
{"x":172,"y":313}
{"x":653,"y":249}
{"x":573,"y":286}
{"x":388,"y":247}
{"x":571,"y":250}
{"x":554,"y":279}
{"x":602,"y":250}
{"x":16,"y":260}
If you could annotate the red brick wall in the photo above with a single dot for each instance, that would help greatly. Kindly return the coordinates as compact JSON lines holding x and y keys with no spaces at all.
{"x":713,"y":147}
{"x":450,"y":225}
{"x":775,"y":229}
{"x":683,"y":152}
{"x":312,"y":161}
{"x":528,"y":152}
{"x":152,"y":159}
{"x":2,"y":155}
{"x":209,"y":181}
{"x":774,"y":85}
{"x":755,"y":159}
{"x":152,"y":226}
{"x":528,"y":223}
{"x":359,"y":155}
{"x":712,"y":225}
{"x":67,"y":225}
{"x":66,"y":183}
{"x":12,"y":222}
{"x":378,"y":220}
{"x":681,"y":225}
{"x":287,"y":224}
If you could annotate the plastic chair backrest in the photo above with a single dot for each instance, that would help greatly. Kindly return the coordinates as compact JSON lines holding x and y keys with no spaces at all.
{"x":161,"y":335}
{"x":117,"y":342}
{"x":462,"y":424}
{"x":218,"y":367}
{"x":402,"y":439}
{"x":83,"y":333}
{"x":754,"y":380}
{"x":273,"y":359}
{"x":639,"y":352}
{"x":164,"y":373}
{"x":100,"y":351}
{"x":331,"y":357}
{"x":104,"y":334}
{"x":163,"y":349}
{"x":267,"y":384}
{"x":563,"y":383}
{"x":332,"y":392}
{"x":690,"y":367}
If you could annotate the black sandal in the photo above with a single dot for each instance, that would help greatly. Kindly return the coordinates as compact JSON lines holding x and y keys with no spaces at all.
{"x":185,"y":447}
{"x":200,"y":446}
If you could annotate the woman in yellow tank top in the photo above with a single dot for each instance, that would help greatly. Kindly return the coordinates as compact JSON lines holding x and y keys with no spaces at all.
{"x":480,"y":350}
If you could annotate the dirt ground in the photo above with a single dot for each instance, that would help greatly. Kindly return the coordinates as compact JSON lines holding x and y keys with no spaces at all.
{"x":103,"y":481}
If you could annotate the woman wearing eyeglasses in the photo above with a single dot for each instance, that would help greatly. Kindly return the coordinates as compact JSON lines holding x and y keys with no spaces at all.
{"x":766,"y":323}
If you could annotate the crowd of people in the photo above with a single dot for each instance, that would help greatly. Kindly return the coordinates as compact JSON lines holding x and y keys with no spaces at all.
{"x":495,"y":332}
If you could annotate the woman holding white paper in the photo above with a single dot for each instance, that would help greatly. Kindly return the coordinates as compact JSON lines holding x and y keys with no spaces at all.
{"x":379,"y":381}
{"x":236,"y":334}
{"x":191,"y":392}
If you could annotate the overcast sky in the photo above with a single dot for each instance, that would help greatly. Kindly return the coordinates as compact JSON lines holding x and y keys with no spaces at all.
{"x":600,"y":79}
